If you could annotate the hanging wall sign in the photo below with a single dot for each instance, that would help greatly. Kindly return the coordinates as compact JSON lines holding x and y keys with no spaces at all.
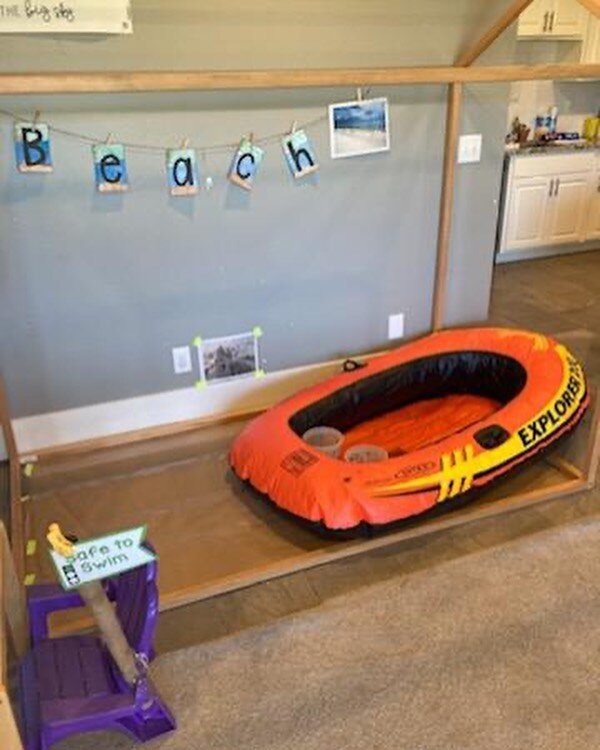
{"x":110,"y":168}
{"x":102,"y":557}
{"x":68,"y":16}
{"x":245,"y":164}
{"x":299,"y":154}
{"x":182,"y":171}
{"x":32,"y":147}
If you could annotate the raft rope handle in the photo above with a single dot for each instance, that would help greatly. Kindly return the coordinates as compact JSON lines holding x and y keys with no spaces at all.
{"x":350,"y":365}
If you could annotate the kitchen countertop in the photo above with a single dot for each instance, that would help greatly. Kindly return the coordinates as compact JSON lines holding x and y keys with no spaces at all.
{"x":566,"y":147}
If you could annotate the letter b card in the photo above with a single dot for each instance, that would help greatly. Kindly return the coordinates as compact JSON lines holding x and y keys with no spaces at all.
{"x":32,"y":147}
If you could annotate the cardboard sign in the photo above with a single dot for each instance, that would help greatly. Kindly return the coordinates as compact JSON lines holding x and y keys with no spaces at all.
{"x":66,"y":16}
{"x":32,"y":147}
{"x":110,"y":168}
{"x":102,"y":557}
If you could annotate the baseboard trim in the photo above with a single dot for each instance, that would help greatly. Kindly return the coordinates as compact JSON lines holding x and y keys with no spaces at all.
{"x":146,"y":417}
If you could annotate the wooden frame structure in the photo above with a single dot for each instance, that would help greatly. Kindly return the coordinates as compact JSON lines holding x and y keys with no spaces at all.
{"x":455,"y":76}
{"x":13,"y":633}
{"x":161,"y":81}
{"x":576,"y":478}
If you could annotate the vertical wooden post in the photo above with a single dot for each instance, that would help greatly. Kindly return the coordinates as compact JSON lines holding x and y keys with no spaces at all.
{"x":14,"y":466}
{"x":446,"y":203}
{"x":13,"y":629}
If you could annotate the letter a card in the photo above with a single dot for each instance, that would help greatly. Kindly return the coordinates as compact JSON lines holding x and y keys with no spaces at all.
{"x":32,"y":147}
{"x":182,"y":171}
{"x":299,"y":154}
{"x":245,"y":164}
{"x":110,"y":168}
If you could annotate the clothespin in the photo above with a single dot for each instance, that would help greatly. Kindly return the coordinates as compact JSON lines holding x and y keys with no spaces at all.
{"x":185,"y":143}
{"x":109,"y":139}
{"x":359,"y":95}
{"x":59,"y":542}
{"x":293,"y":128}
{"x":36,"y":116}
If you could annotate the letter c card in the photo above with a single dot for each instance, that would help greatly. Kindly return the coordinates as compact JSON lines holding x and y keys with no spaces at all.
{"x":245,"y":164}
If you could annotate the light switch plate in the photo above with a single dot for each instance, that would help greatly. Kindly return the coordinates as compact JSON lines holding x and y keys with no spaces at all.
{"x":396,"y":326}
{"x":182,"y":359}
{"x":469,"y":148}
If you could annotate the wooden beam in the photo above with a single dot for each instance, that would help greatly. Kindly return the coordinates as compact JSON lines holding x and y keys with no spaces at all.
{"x":15,"y":489}
{"x":475,"y":50}
{"x":142,"y":81}
{"x":8,"y":725}
{"x":13,"y":620}
{"x":446,"y":204}
{"x":592,"y":5}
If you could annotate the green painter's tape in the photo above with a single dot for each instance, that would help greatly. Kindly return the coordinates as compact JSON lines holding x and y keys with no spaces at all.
{"x":28,"y":470}
{"x":257,"y":332}
{"x":260,"y":374}
{"x":29,"y":579}
{"x":31,"y":547}
{"x":197,"y":341}
{"x":200,"y":384}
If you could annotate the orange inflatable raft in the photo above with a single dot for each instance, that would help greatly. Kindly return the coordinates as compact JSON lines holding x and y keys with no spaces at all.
{"x":455,"y":411}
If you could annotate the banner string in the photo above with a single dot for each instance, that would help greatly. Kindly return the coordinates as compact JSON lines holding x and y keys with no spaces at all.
{"x":150,"y":147}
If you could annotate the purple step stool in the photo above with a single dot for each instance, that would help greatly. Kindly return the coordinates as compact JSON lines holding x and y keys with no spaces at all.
{"x":72,"y":684}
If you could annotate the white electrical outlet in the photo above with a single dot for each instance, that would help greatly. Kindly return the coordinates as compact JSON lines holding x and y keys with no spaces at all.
{"x":396,"y":326}
{"x":182,"y":359}
{"x":469,"y":148}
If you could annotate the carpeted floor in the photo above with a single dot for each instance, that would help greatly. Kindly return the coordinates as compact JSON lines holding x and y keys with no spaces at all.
{"x":498,"y":649}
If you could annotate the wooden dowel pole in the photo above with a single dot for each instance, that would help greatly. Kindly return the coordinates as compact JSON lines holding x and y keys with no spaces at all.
{"x":110,"y":628}
{"x":592,"y":5}
{"x":446,"y":204}
{"x":510,"y":15}
{"x":15,"y":489}
{"x":102,"y":82}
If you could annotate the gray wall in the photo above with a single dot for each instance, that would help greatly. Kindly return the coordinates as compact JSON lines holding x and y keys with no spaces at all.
{"x":96,"y":289}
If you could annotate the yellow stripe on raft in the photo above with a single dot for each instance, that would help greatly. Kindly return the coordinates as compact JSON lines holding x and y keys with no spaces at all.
{"x":466,"y":465}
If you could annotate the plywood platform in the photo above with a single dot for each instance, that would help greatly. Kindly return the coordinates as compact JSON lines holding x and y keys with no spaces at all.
{"x":213,"y":534}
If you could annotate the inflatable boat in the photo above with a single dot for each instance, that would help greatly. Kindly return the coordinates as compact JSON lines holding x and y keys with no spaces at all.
{"x":454,"y":412}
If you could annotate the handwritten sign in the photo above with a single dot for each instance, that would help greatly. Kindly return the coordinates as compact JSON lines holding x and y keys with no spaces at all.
{"x":66,"y":16}
{"x":102,"y":557}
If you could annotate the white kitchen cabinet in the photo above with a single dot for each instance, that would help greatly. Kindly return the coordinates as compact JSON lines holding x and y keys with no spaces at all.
{"x":590,"y":50}
{"x":526,"y":212}
{"x":555,"y":19}
{"x":565,"y":218}
{"x":593,"y":227}
{"x":549,"y":200}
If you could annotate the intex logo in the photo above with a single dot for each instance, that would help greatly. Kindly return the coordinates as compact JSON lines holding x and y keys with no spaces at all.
{"x":411,"y":471}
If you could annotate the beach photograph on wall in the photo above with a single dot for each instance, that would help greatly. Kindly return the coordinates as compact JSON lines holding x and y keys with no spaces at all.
{"x":359,"y":128}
